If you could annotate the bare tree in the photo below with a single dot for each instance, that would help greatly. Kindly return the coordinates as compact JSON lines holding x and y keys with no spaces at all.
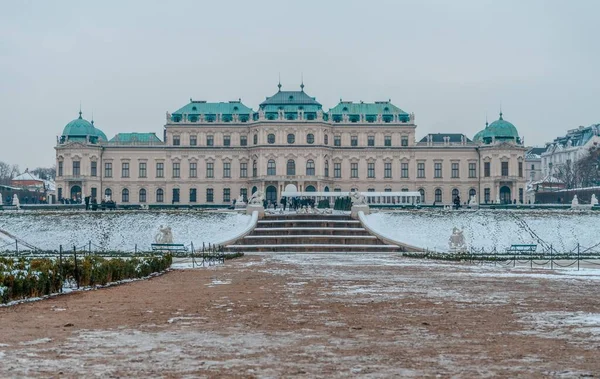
{"x":46,"y":173}
{"x":7,"y":172}
{"x":588,"y":168}
{"x":568,"y":173}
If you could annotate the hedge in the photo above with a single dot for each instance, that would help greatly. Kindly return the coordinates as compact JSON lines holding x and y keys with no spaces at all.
{"x":25,"y":278}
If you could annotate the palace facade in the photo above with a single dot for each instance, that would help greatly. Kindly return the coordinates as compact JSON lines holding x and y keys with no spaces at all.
{"x":210,"y":153}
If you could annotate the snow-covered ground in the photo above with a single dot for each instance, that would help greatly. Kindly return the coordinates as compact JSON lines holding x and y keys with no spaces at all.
{"x":120,"y":230}
{"x":490,"y":228}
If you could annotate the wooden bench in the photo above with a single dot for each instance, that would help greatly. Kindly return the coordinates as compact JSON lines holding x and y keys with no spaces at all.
{"x":168,"y":247}
{"x":521,"y":249}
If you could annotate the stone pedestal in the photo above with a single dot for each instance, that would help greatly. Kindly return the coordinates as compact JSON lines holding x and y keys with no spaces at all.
{"x":240,"y":206}
{"x":357,"y":208}
{"x":255,"y":207}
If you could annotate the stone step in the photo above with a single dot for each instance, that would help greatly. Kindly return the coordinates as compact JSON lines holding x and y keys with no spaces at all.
{"x":306,"y":216}
{"x":310,"y":239}
{"x":290,"y":223}
{"x":326,"y":248}
{"x":334,"y":231}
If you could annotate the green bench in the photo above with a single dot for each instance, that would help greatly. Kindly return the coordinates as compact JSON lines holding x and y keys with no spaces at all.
{"x":521,"y":249}
{"x":168,"y":247}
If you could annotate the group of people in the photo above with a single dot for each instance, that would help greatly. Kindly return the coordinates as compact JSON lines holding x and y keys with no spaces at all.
{"x":291,"y":203}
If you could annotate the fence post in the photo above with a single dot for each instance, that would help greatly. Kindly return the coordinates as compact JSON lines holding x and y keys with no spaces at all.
{"x":76,"y":268}
{"x":17,"y":246}
{"x":193,"y":262}
{"x":577,"y":256}
{"x":90,"y":247}
{"x":551,"y":259}
{"x":136,"y":249}
{"x":60,"y":268}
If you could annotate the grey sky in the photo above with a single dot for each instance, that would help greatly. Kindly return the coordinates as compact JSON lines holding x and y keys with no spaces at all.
{"x":449,"y":62}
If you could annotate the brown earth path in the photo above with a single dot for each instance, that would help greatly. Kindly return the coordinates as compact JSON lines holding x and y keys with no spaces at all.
{"x":314,"y":316}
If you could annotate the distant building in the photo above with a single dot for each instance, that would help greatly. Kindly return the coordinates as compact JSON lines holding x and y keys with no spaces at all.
{"x":533,"y":163}
{"x":211,"y":153}
{"x":568,"y":149}
{"x":39,"y":190}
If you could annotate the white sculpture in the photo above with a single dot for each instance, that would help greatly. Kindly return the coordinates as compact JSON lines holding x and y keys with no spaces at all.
{"x":472,"y":200}
{"x":240,"y":200}
{"x":457,"y":240}
{"x":358,"y":198}
{"x":16,"y":201}
{"x":1,"y":199}
{"x":575,"y":201}
{"x":164,"y":235}
{"x":257,"y":198}
{"x":594,"y":201}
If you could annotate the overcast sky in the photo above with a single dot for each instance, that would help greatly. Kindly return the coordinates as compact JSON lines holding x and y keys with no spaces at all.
{"x":449,"y":62}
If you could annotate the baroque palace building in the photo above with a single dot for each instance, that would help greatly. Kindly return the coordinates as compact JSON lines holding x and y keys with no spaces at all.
{"x":211,"y":153}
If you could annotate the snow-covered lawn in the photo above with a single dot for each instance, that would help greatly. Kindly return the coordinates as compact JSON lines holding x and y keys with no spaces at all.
{"x":490,"y":228}
{"x":120,"y":230}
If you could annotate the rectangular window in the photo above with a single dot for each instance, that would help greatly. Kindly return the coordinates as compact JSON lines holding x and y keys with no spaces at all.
{"x":326,"y":139}
{"x":192,"y":195}
{"x":226,"y":195}
{"x":176,"y":169}
{"x":226,"y":140}
{"x":371,"y":170}
{"x":210,"y":140}
{"x":520,"y":169}
{"x":472,"y":170}
{"x":387,"y":141}
{"x":243,"y":170}
{"x":371,"y":141}
{"x":354,"y":170}
{"x":486,"y":169}
{"x":504,"y":168}
{"x":76,"y":168}
{"x":94,"y":192}
{"x":354,"y":141}
{"x":455,"y":172}
{"x":337,"y":141}
{"x":125,"y":170}
{"x":175,"y":195}
{"x":226,"y":169}
{"x":176,"y":140}
{"x":193,"y":170}
{"x":255,"y":139}
{"x":521,"y":195}
{"x":387,"y":170}
{"x":486,"y":195}
{"x":404,"y":170}
{"x":142,"y":195}
{"x":337,"y":170}
{"x":108,"y":170}
{"x":160,"y":170}
{"x":254,"y":169}
{"x":94,"y":169}
{"x":210,"y":170}
{"x":437,"y":170}
{"x":60,"y":168}
{"x":210,"y":195}
{"x":142,"y":170}
{"x":421,"y":170}
{"x":193,"y":140}
{"x":438,"y":195}
{"x":532,"y":167}
{"x":404,"y":141}
{"x":243,"y":140}
{"x":244,"y":194}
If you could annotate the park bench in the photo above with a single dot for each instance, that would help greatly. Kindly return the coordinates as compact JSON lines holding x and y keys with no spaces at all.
{"x":168,"y":247}
{"x":518,"y":249}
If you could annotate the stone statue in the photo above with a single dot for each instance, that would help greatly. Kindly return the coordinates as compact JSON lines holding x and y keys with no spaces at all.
{"x":358,"y":198}
{"x":594,"y":201}
{"x":257,"y":198}
{"x":472,"y":200}
{"x":1,"y":199}
{"x":575,"y":201}
{"x":240,"y":200}
{"x":164,"y":235}
{"x":457,"y":240}
{"x":16,"y":201}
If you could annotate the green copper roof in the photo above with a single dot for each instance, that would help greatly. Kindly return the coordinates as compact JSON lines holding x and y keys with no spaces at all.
{"x":125,"y":138}
{"x":196,"y":107}
{"x":99,"y":133}
{"x":79,"y":127}
{"x":479,"y":136}
{"x":290,"y":98}
{"x":379,"y":107}
{"x":501,"y":129}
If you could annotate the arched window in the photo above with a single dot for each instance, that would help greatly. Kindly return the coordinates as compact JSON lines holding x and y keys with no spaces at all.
{"x":310,"y":167}
{"x":254,"y":169}
{"x":108,"y":193}
{"x":291,"y":167}
{"x":271,"y":168}
{"x":455,"y":193}
{"x":438,"y":195}
{"x":142,"y":195}
{"x":422,"y":192}
{"x":255,"y":139}
{"x":326,"y":168}
{"x":291,"y":138}
{"x":310,"y":139}
{"x":472,"y":193}
{"x":160,"y":195}
{"x":271,"y":138}
{"x":125,"y":195}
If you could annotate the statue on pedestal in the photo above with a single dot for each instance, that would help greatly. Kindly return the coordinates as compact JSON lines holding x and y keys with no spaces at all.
{"x":457,"y":240}
{"x":164,"y":235}
{"x":358,"y":198}
{"x":594,"y":201}
{"x":16,"y":201}
{"x":257,"y":198}
{"x":575,"y":201}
